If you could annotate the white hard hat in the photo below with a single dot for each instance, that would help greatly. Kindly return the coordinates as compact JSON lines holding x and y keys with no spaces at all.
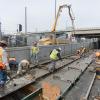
{"x":59,"y":48}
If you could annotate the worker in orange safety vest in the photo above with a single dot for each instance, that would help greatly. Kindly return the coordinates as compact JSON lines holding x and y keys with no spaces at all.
{"x":4,"y":66}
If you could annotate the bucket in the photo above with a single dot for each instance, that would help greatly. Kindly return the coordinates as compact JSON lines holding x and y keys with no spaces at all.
{"x":98,"y":72}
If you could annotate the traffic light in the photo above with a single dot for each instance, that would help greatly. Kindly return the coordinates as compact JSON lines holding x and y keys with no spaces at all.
{"x":20,"y":27}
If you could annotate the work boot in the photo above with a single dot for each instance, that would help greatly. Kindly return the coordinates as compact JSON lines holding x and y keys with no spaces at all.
{"x":51,"y":69}
{"x":2,"y":86}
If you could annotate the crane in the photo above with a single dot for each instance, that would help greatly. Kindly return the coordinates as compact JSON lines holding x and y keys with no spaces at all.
{"x":49,"y":41}
{"x":71,"y":15}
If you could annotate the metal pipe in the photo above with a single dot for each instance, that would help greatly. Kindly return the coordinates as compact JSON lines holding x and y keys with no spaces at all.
{"x":55,"y":8}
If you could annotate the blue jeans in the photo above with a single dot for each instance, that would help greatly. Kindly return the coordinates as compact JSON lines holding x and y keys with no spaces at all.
{"x":3,"y":77}
{"x":34,"y":58}
{"x":13,"y":65}
{"x":52,"y":67}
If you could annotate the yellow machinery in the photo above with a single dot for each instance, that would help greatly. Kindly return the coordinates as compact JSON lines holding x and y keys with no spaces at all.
{"x":51,"y":39}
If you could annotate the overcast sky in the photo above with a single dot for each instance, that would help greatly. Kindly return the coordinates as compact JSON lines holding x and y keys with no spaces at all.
{"x":41,"y":14}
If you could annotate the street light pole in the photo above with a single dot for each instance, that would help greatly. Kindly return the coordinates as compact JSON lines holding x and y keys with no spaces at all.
{"x":25,"y":20}
{"x":55,"y":9}
{"x":55,"y":20}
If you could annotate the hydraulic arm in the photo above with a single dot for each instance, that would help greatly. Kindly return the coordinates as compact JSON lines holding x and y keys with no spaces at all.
{"x":70,"y":15}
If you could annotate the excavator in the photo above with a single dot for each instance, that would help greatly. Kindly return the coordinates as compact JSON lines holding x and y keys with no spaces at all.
{"x":52,"y":39}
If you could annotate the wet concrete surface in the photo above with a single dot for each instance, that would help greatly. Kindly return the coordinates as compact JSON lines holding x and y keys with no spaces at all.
{"x":63,"y":82}
{"x":65,"y":77}
{"x":80,"y":89}
{"x":23,"y":80}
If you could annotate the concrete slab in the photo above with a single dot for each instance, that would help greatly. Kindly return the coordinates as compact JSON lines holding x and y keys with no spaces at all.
{"x":61,"y":84}
{"x":11,"y":87}
{"x":70,"y":75}
{"x":40,"y":72}
{"x":65,"y":77}
{"x":80,"y":89}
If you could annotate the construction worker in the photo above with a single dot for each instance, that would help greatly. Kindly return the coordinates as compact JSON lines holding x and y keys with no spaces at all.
{"x":34,"y":52}
{"x":4,"y":66}
{"x":23,"y":66}
{"x":13,"y":64}
{"x":54,"y":55}
{"x":97,"y":60}
{"x":78,"y":52}
{"x":81,"y":51}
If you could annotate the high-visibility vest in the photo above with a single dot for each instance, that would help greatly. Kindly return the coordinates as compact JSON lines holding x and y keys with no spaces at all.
{"x":2,"y":65}
{"x":35,"y":50}
{"x":53,"y":54}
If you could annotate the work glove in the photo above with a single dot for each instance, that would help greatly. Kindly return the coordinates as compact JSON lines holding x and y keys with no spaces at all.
{"x":18,"y":72}
{"x":61,"y":59}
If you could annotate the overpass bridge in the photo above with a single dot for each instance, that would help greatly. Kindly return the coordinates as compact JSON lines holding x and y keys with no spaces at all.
{"x":92,"y":32}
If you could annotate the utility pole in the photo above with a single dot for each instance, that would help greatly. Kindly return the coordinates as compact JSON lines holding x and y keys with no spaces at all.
{"x":55,"y":20}
{"x":25,"y":20}
{"x":55,"y":8}
{"x":25,"y":39}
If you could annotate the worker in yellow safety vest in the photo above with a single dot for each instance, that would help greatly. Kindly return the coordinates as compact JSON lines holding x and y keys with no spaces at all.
{"x":54,"y":55}
{"x":34,"y":53}
{"x":4,"y":66}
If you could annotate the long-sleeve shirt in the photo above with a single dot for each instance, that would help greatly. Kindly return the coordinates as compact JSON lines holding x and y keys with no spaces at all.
{"x":23,"y":66}
{"x":59,"y":56}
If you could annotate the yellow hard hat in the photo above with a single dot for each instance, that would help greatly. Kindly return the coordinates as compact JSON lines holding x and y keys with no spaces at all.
{"x":97,"y":54}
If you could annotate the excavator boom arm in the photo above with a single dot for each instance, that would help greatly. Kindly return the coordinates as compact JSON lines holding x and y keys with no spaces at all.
{"x":58,"y":14}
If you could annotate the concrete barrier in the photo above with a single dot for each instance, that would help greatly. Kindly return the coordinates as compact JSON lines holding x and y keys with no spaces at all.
{"x":67,"y":50}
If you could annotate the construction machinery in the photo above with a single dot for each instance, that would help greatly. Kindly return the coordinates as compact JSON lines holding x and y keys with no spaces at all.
{"x":52,"y":39}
